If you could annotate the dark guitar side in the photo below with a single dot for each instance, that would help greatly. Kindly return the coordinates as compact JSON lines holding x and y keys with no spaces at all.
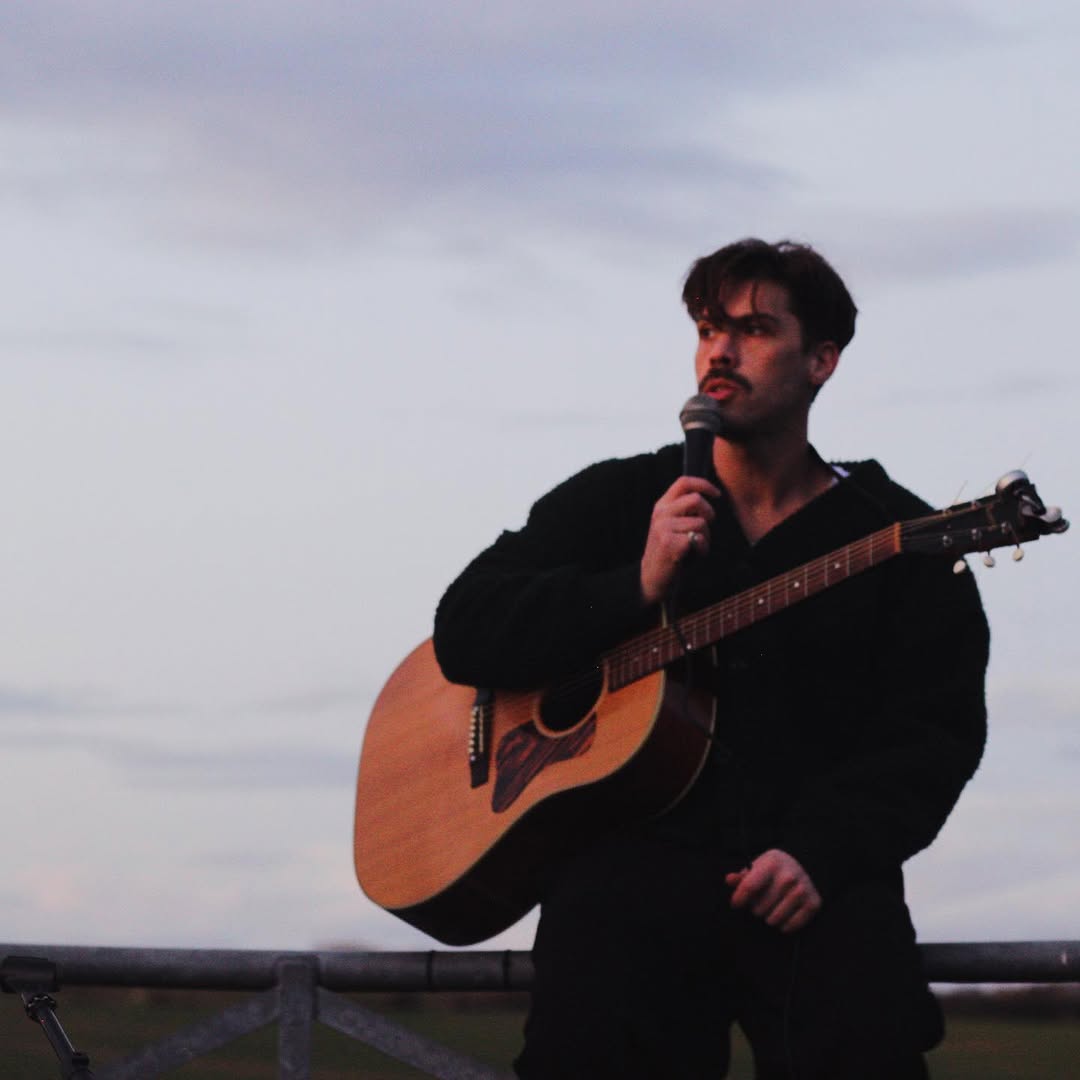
{"x":436,"y":852}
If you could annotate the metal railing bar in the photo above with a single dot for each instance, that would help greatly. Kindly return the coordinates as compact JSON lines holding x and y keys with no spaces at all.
{"x":1002,"y":962}
{"x":399,"y":1042}
{"x":436,"y":970}
{"x":191,"y":1042}
{"x":243,"y":969}
{"x":250,"y":969}
{"x":297,"y":996}
{"x":176,"y":969}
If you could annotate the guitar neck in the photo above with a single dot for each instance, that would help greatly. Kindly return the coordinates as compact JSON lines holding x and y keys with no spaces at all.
{"x":649,"y":652}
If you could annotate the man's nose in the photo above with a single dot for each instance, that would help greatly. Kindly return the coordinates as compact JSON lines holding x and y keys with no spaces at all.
{"x":722,"y":352}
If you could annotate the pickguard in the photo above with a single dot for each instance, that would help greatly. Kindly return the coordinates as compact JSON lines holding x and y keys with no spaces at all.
{"x":526,"y":751}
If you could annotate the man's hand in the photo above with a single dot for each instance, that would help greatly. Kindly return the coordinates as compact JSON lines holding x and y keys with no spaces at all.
{"x":680,"y":521}
{"x":777,"y":889}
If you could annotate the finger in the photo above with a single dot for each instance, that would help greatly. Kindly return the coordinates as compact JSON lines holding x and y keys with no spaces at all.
{"x":688,"y":505}
{"x":745,"y":891}
{"x":787,"y":907}
{"x":765,"y":882}
{"x":669,"y":521}
{"x":698,"y":541}
{"x":750,"y":886}
{"x":797,"y":908}
{"x":689,"y":523}
{"x":768,"y":899}
{"x":691,"y":506}
{"x":697,"y":484}
{"x":800,"y":918}
{"x":677,"y":535}
{"x":681,"y":540}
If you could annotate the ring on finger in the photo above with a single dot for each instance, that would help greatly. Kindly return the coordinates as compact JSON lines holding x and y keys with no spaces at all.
{"x":692,"y":536}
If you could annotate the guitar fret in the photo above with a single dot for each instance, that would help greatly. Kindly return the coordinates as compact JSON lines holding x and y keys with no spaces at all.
{"x":656,"y":649}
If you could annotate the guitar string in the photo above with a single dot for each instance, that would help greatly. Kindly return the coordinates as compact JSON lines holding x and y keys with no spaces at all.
{"x":736,"y":612}
{"x":652,"y":650}
{"x":655,"y":648}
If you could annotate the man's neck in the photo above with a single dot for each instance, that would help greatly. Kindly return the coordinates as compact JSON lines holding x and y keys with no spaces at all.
{"x":767,"y":482}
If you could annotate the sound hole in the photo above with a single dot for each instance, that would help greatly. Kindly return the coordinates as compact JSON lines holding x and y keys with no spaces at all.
{"x":567,"y":703}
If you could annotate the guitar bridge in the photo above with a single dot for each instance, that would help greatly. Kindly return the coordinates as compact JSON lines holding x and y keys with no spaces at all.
{"x":480,"y":720}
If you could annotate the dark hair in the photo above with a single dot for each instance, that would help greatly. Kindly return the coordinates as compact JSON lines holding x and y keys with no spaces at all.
{"x":819,"y":299}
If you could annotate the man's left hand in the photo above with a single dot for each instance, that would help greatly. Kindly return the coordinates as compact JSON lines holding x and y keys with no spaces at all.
{"x":777,"y":889}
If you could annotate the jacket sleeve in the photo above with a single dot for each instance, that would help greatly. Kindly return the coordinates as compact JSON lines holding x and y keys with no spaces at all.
{"x":547,"y":599}
{"x":919,"y":742}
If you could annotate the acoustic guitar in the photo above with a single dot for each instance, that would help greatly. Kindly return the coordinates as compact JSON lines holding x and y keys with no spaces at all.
{"x":467,"y":797}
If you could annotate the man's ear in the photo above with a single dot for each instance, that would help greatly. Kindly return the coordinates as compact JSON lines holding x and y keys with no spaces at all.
{"x":823,"y":360}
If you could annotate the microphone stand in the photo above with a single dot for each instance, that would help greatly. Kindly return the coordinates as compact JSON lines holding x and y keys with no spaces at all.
{"x":32,"y":979}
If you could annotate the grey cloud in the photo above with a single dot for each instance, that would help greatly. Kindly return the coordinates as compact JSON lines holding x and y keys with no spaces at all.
{"x":432,"y":53}
{"x":242,"y":859}
{"x":1021,"y":387}
{"x":1025,"y":386}
{"x":342,"y":119}
{"x":61,"y":704}
{"x":115,"y":342}
{"x":152,"y":763}
{"x":957,"y":242}
{"x":317,"y":701}
{"x":91,"y":722}
{"x":469,"y":414}
{"x":243,"y":767}
{"x":36,"y":702}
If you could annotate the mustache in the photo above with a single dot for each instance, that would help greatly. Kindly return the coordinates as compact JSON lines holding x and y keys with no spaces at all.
{"x":715,"y":378}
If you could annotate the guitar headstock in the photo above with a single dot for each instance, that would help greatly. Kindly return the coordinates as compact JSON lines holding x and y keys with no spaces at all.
{"x":1012,"y":515}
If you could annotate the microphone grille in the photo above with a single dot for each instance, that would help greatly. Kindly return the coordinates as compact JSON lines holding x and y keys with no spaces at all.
{"x":701,"y":411}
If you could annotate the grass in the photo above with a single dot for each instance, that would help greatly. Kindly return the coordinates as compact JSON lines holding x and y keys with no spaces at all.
{"x":108,"y":1024}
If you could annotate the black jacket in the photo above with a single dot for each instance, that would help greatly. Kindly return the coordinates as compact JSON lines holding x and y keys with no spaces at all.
{"x":847,"y":724}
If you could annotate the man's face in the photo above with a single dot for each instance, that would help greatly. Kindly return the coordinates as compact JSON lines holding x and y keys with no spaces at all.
{"x":752,"y":361}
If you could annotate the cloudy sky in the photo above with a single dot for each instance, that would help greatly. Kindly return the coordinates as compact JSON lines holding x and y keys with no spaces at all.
{"x":303,"y":304}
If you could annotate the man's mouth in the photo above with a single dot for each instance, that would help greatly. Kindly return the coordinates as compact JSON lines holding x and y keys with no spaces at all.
{"x":722,"y":388}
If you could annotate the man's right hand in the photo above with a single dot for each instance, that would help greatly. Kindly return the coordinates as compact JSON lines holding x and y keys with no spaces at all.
{"x":680,"y":521}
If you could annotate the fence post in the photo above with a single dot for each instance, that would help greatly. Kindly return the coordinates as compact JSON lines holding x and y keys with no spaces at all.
{"x":296,"y":987}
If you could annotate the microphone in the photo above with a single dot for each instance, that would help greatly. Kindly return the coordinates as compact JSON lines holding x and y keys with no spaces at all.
{"x":701,"y":421}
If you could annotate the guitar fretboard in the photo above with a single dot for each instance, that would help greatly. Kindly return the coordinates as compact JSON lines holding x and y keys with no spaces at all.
{"x":651,"y":651}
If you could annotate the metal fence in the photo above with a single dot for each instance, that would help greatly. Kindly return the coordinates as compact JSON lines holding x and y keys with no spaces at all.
{"x":298,"y":989}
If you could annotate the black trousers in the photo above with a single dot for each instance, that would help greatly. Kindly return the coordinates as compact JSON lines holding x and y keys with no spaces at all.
{"x":642,"y":966}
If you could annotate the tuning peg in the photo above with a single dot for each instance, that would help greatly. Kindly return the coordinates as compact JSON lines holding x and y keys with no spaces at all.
{"x":1012,"y":480}
{"x":989,"y":560}
{"x":959,"y":566}
{"x":1018,"y":553}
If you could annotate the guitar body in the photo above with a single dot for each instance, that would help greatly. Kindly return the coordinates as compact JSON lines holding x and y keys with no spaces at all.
{"x":461,"y":849}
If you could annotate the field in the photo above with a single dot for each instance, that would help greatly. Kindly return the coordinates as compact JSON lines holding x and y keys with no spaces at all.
{"x":108,"y":1024}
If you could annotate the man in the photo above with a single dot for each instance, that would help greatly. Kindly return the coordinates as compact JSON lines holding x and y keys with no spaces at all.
{"x":846,"y":725}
